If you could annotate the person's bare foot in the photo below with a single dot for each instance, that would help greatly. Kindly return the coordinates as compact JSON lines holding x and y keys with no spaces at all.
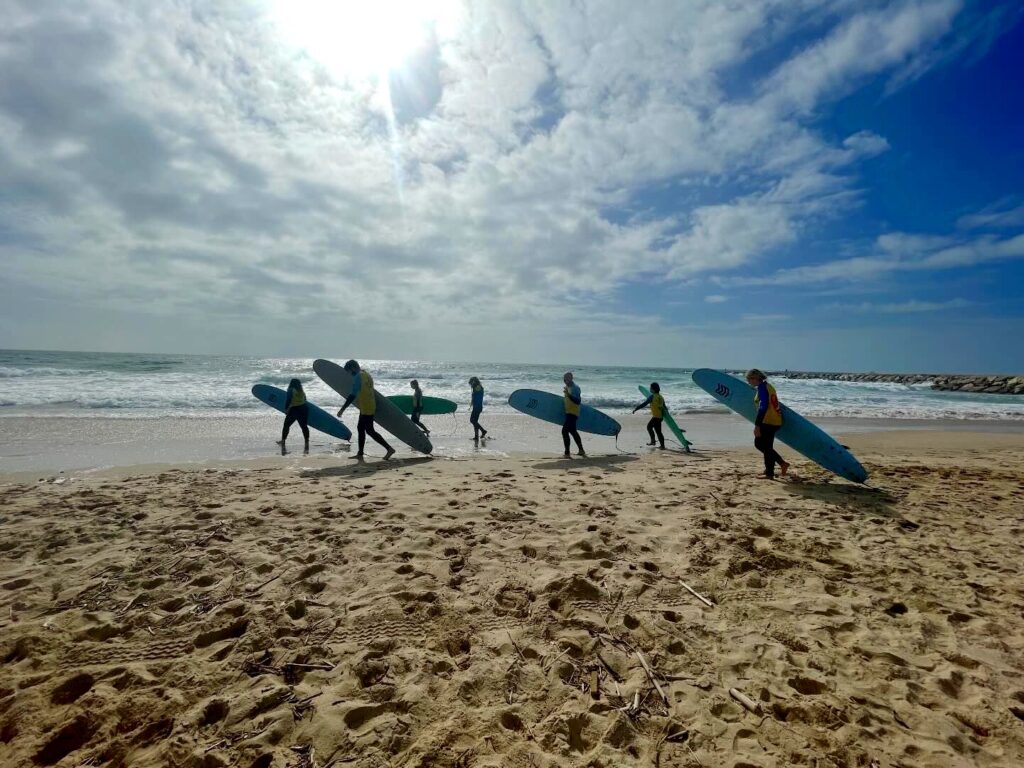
{"x":783,"y":469}
{"x":358,"y":456}
{"x":763,"y":476}
{"x":281,"y":443}
{"x":389,"y":454}
{"x":582,"y":453}
{"x":566,"y":455}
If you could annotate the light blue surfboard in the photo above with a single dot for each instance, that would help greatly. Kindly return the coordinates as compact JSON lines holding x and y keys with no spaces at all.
{"x":796,"y":431}
{"x":548,"y":407}
{"x":319,"y":419}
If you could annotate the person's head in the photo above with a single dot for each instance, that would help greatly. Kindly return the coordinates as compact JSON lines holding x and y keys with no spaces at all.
{"x":655,"y":387}
{"x":414,"y":384}
{"x":755,"y":377}
{"x":567,"y":378}
{"x":474,"y":381}
{"x":352,"y":367}
{"x":295,"y":384}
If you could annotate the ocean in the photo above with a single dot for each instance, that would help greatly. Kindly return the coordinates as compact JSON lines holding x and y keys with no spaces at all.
{"x":151,"y":386}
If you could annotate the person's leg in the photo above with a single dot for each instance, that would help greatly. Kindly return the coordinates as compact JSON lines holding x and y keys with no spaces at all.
{"x":474,"y":419}
{"x":565,"y":433}
{"x":773,"y":454}
{"x":372,"y":432}
{"x":361,"y":430}
{"x":303,"y":419}
{"x":658,"y":432}
{"x":418,"y":423}
{"x":571,"y":420}
{"x":650,"y":431}
{"x":289,"y":419}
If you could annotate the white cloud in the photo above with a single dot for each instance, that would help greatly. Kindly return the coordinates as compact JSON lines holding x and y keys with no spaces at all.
{"x":897,"y":252}
{"x":911,"y":306}
{"x":167,"y":160}
{"x":716,"y":298}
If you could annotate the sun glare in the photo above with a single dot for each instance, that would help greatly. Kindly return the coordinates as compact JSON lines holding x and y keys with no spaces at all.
{"x":363,"y":39}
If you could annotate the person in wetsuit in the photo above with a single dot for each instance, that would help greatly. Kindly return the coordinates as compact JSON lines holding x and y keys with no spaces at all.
{"x":417,"y":406}
{"x":572,"y":400}
{"x":296,"y":409}
{"x":657,"y":403}
{"x":366,"y":401}
{"x":477,"y":407}
{"x":767,"y":423}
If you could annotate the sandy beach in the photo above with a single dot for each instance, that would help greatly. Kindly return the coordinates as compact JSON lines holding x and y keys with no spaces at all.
{"x":520,"y":611}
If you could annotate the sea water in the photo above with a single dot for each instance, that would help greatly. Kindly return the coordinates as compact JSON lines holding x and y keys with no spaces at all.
{"x":104,"y":385}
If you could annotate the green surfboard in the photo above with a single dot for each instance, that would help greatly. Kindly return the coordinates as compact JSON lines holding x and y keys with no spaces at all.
{"x":670,"y":421}
{"x":432,"y":406}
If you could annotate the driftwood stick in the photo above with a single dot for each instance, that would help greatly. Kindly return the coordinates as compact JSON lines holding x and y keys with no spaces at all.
{"x":699,"y":596}
{"x":256,"y":589}
{"x":748,"y":703}
{"x":515,"y":646}
{"x":650,"y":674}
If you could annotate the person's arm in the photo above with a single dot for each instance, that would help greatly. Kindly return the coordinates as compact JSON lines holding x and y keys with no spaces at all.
{"x":357,"y":384}
{"x":762,"y":405}
{"x":288,"y":397}
{"x":574,"y":394}
{"x":644,"y":404}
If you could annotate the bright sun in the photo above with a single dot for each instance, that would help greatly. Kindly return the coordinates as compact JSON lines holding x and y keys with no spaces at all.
{"x":363,"y":39}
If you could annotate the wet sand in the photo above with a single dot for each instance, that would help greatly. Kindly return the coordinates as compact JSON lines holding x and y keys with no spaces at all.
{"x":493,"y":610}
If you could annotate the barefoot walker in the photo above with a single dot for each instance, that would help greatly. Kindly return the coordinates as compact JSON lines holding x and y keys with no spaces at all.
{"x":366,"y":401}
{"x":767,"y":423}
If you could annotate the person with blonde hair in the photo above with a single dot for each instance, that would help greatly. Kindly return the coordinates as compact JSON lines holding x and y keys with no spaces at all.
{"x":767,"y":423}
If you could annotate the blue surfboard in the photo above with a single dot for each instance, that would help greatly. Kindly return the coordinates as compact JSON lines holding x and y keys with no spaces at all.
{"x":548,"y":407}
{"x":796,"y":431}
{"x":318,"y":418}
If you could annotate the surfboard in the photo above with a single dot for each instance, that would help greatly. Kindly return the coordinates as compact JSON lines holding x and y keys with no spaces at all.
{"x":319,"y":419}
{"x":548,"y":407}
{"x":388,"y":416}
{"x":670,"y":421}
{"x":796,"y":431}
{"x":432,"y":406}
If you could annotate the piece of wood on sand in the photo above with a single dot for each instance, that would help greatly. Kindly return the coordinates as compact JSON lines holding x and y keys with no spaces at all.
{"x":699,"y":596}
{"x":748,"y":703}
{"x":650,"y":674}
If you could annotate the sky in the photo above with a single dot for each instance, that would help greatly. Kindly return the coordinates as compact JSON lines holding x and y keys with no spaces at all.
{"x":805,"y":184}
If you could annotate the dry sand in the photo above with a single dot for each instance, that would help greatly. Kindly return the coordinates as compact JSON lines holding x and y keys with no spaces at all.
{"x":492,"y":612}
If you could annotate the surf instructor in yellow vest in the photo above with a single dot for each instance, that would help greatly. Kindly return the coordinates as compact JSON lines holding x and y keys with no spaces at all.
{"x":573,"y":400}
{"x":366,"y":401}
{"x":767,"y":423}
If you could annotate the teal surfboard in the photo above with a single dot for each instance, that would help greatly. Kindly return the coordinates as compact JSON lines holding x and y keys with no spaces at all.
{"x":432,"y":406}
{"x":549,"y":407}
{"x":670,"y":421}
{"x":319,"y":419}
{"x":796,"y":431}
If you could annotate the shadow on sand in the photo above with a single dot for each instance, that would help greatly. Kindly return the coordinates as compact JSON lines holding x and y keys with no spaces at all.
{"x":861,"y":497}
{"x":370,"y":467}
{"x":607,"y":463}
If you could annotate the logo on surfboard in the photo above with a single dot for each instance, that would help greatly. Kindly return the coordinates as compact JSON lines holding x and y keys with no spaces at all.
{"x":723,"y":390}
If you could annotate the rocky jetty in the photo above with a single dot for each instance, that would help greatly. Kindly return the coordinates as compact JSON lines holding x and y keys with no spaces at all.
{"x":997,"y":385}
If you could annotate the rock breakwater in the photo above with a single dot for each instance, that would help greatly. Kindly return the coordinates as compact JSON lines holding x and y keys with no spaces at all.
{"x":1002,"y":384}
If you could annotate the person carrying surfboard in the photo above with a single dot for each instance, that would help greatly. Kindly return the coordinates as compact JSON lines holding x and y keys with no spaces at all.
{"x":296,"y":409}
{"x":417,"y":406}
{"x":573,"y":399}
{"x":657,"y":403}
{"x":766,"y":423}
{"x":366,"y":401}
{"x":477,"y":407}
